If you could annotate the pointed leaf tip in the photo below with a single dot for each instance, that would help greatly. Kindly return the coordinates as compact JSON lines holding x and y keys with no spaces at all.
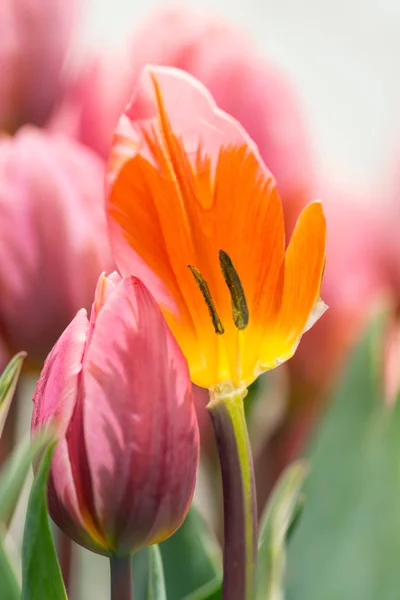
{"x":15,"y":470}
{"x":280,"y":515}
{"x":8,"y":383}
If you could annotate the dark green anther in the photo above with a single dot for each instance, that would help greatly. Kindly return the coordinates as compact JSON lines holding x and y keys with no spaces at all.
{"x":240,"y":311}
{"x":205,"y":290}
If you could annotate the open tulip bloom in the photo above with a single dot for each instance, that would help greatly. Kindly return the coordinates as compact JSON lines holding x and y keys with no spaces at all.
{"x":196,"y":215}
{"x":194,"y":212}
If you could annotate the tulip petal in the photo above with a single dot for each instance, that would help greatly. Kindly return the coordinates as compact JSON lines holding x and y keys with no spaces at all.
{"x":149,"y":201}
{"x":301,"y":305}
{"x":57,"y":389}
{"x":304,"y":266}
{"x":141,"y":431}
{"x":185,"y":101}
{"x":319,"y":309}
{"x":104,"y":288}
{"x":55,"y":400}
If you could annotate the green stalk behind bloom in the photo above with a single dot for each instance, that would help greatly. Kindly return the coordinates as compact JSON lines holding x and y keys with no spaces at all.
{"x":240,"y":510}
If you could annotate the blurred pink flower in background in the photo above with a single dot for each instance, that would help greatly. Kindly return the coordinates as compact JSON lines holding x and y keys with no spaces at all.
{"x":387,"y":216}
{"x":34,"y":40}
{"x":388,"y":254}
{"x":221,"y":56}
{"x":53,"y":239}
{"x":118,"y":389}
{"x":354,"y":285}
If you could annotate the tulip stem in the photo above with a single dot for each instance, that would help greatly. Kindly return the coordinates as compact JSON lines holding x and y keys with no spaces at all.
{"x":240,"y":510}
{"x":121,"y":577}
{"x":65,"y":558}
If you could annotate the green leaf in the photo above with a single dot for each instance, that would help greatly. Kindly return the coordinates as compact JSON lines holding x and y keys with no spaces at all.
{"x":280,"y":513}
{"x":14,"y":472}
{"x":8,"y":383}
{"x":9,"y":586}
{"x":156,"y":575}
{"x":347,"y":543}
{"x":141,"y":573}
{"x":277,"y":522}
{"x":210,"y":591}
{"x":253,"y":393}
{"x":191,"y":558}
{"x":41,"y":574}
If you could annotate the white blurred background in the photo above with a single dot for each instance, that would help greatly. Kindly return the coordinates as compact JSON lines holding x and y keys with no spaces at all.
{"x":342,"y":56}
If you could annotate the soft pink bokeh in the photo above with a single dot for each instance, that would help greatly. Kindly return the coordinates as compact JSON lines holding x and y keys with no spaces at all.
{"x":34,"y":40}
{"x":353,"y":287}
{"x":242,"y":82}
{"x":53,"y":240}
{"x":387,"y":218}
{"x":117,"y":389}
{"x":353,"y":284}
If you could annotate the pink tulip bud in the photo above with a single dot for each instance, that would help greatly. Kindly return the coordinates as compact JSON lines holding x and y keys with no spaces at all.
{"x":241,"y":81}
{"x":53,"y":239}
{"x":117,"y":389}
{"x":34,"y":38}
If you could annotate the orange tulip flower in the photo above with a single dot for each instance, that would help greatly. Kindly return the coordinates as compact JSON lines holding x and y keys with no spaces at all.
{"x":194,"y":212}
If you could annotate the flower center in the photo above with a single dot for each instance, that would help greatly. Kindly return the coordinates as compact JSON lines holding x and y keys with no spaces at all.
{"x":240,"y":311}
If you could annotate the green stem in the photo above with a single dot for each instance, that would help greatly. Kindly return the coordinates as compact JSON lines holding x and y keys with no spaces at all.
{"x":240,"y":511}
{"x":65,"y":550}
{"x":121,"y":578}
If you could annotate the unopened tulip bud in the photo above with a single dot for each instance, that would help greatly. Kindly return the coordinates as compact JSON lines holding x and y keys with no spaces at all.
{"x":53,"y":239}
{"x":34,"y":40}
{"x":118,"y":389}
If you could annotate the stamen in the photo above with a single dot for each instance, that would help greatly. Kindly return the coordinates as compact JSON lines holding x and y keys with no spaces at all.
{"x":240,"y":311}
{"x":205,"y":290}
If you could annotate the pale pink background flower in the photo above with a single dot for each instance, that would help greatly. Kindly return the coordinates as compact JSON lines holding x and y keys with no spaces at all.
{"x":353,"y":286}
{"x":242,"y":82}
{"x":53,"y":238}
{"x":34,"y":41}
{"x":353,"y":283}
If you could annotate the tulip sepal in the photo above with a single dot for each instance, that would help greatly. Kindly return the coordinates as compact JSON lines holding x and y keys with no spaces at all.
{"x":240,"y":510}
